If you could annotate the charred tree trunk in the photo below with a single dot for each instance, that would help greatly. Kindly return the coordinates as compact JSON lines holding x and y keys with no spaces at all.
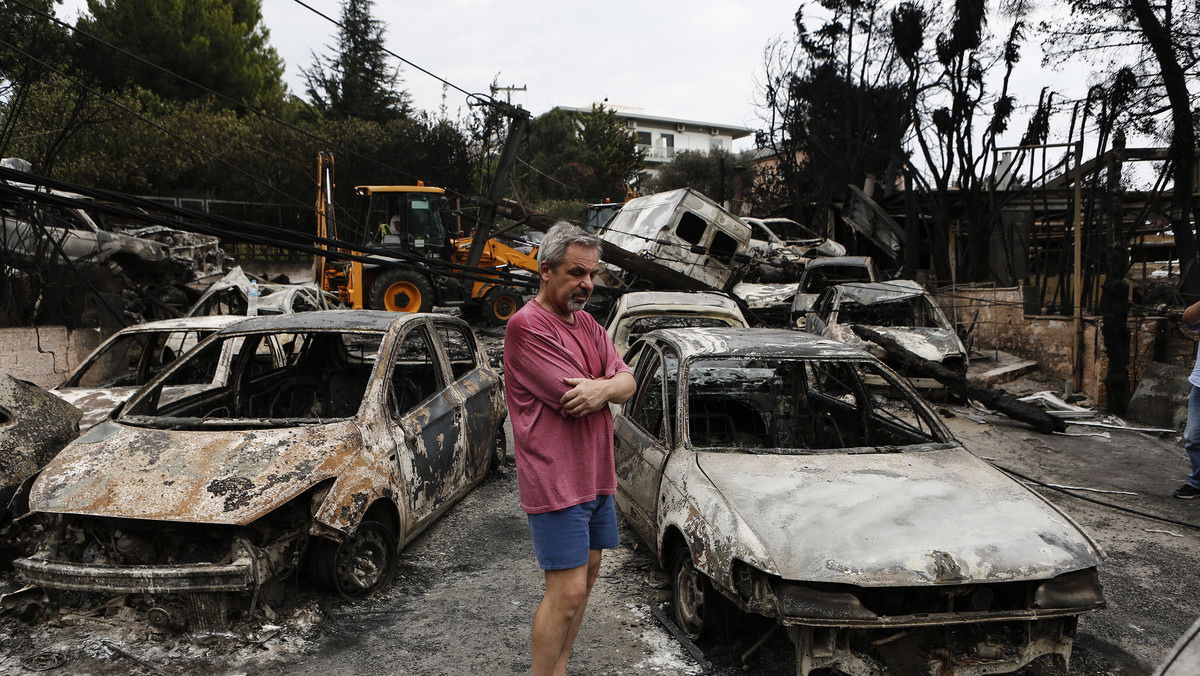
{"x":992,"y":398}
{"x":1183,"y":143}
{"x":1114,"y":295}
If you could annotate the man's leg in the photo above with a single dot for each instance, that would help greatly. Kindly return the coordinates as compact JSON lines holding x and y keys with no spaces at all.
{"x":1191,"y":436}
{"x":593,"y":571}
{"x":556,"y":622}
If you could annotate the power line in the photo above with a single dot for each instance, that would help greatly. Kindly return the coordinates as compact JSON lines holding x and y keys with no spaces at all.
{"x":239,"y":104}
{"x":482,"y":97}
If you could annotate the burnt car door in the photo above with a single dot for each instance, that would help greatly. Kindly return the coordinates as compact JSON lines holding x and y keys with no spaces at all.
{"x":425,"y":421}
{"x":643,"y":436}
{"x":477,"y":393}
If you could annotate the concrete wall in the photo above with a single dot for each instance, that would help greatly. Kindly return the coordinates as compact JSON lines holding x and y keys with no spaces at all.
{"x":44,"y":355}
{"x":997,"y":319}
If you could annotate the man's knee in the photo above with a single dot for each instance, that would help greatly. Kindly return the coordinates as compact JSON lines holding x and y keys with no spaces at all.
{"x":568,"y":590}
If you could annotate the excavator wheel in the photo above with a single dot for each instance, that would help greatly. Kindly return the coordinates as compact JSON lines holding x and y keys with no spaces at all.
{"x":401,"y":291}
{"x":499,"y":304}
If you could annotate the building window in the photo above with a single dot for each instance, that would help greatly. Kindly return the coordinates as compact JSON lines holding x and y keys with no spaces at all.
{"x":715,"y":144}
{"x":643,"y":138}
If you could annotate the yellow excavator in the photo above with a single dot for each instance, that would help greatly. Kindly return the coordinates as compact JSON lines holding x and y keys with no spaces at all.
{"x":429,"y":266}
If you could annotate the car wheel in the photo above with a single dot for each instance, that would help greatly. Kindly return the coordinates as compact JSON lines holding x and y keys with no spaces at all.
{"x":360,"y":564}
{"x":499,"y":450}
{"x":693,"y":598}
{"x":499,"y":304}
{"x":401,"y":291}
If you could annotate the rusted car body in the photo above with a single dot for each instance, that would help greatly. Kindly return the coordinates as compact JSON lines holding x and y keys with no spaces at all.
{"x":34,"y":426}
{"x":900,"y":309}
{"x":229,"y":296}
{"x":822,"y":273}
{"x":638,"y":312}
{"x":681,"y":230}
{"x":801,"y":479}
{"x":377,"y":424}
{"x":133,"y":356}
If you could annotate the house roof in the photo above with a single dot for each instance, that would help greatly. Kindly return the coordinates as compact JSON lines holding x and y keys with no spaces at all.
{"x":733,"y":130}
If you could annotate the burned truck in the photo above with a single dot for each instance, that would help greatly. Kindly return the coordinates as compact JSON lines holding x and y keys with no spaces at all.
{"x":677,"y":240}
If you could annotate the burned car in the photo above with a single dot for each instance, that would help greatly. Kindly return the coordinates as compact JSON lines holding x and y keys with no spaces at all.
{"x":230,"y":296}
{"x":332,"y":462}
{"x":133,"y":356}
{"x":900,"y":309}
{"x":802,"y":480}
{"x":638,"y":312}
{"x":34,"y":426}
{"x":822,"y":273}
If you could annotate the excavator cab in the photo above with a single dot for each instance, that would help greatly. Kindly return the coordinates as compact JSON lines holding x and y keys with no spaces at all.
{"x":405,"y":218}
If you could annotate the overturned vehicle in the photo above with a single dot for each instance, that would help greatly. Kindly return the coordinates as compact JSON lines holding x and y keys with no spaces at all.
{"x":375,"y":425}
{"x":802,"y":480}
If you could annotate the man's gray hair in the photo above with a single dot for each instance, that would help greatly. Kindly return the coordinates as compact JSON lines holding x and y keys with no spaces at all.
{"x":553,"y":250}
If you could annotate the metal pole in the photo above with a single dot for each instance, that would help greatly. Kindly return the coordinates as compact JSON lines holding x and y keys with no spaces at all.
{"x":1077,"y":274}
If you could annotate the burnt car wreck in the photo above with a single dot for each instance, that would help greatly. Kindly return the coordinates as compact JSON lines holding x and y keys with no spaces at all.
{"x":802,"y":480}
{"x":331,"y":462}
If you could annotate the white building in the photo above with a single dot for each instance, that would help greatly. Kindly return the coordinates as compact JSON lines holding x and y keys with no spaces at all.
{"x":662,"y":137}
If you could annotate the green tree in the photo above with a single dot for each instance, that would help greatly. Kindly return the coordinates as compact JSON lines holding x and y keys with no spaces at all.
{"x":611,"y":152}
{"x":580,"y":155}
{"x":717,"y":174}
{"x":357,"y":81}
{"x":31,"y":48}
{"x":218,"y":44}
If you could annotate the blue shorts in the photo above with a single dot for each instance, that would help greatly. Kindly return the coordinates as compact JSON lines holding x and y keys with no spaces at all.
{"x":563,"y":537}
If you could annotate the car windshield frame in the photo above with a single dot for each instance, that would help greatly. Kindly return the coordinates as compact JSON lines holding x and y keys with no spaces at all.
{"x":937,"y":435}
{"x":234,"y":357}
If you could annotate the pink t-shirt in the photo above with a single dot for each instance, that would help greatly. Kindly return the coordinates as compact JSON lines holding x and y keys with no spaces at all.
{"x":561,"y":460}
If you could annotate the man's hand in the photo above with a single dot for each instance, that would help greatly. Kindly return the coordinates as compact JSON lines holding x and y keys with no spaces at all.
{"x":585,"y":397}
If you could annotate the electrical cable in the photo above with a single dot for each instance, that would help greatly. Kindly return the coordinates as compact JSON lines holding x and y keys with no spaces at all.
{"x":341,"y":149}
{"x":488,"y":99}
{"x":240,"y":105}
{"x":220,"y":226}
{"x":1102,"y":503}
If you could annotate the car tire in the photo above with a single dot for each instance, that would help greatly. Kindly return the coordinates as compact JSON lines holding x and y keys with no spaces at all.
{"x":362,"y":563}
{"x":499,"y":451}
{"x":499,"y":304}
{"x":398,"y":290}
{"x":697,"y":606}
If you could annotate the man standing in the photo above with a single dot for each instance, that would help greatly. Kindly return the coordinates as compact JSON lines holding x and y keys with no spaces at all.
{"x":561,"y":371}
{"x":1191,"y":432}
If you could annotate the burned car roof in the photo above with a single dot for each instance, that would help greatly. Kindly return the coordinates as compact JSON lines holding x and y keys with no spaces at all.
{"x":697,"y":342}
{"x":348,"y":320}
{"x":867,"y":293}
{"x":701,"y":300}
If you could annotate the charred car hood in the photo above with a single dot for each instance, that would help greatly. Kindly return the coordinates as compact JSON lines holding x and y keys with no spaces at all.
{"x":896,"y":519}
{"x":199,"y":476}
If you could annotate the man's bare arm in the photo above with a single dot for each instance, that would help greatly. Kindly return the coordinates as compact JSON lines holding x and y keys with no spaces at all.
{"x":1191,"y":316}
{"x":587,"y":395}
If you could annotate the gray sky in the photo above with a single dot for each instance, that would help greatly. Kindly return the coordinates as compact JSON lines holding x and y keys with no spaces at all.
{"x":693,"y":59}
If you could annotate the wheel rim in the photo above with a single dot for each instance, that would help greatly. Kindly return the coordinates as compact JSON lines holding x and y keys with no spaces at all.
{"x":689,"y":600}
{"x":363,"y":561}
{"x":506,"y":307}
{"x":402,"y":297}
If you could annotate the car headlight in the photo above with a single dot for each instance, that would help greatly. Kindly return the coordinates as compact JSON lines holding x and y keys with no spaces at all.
{"x":1077,"y":589}
{"x":751,"y":583}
